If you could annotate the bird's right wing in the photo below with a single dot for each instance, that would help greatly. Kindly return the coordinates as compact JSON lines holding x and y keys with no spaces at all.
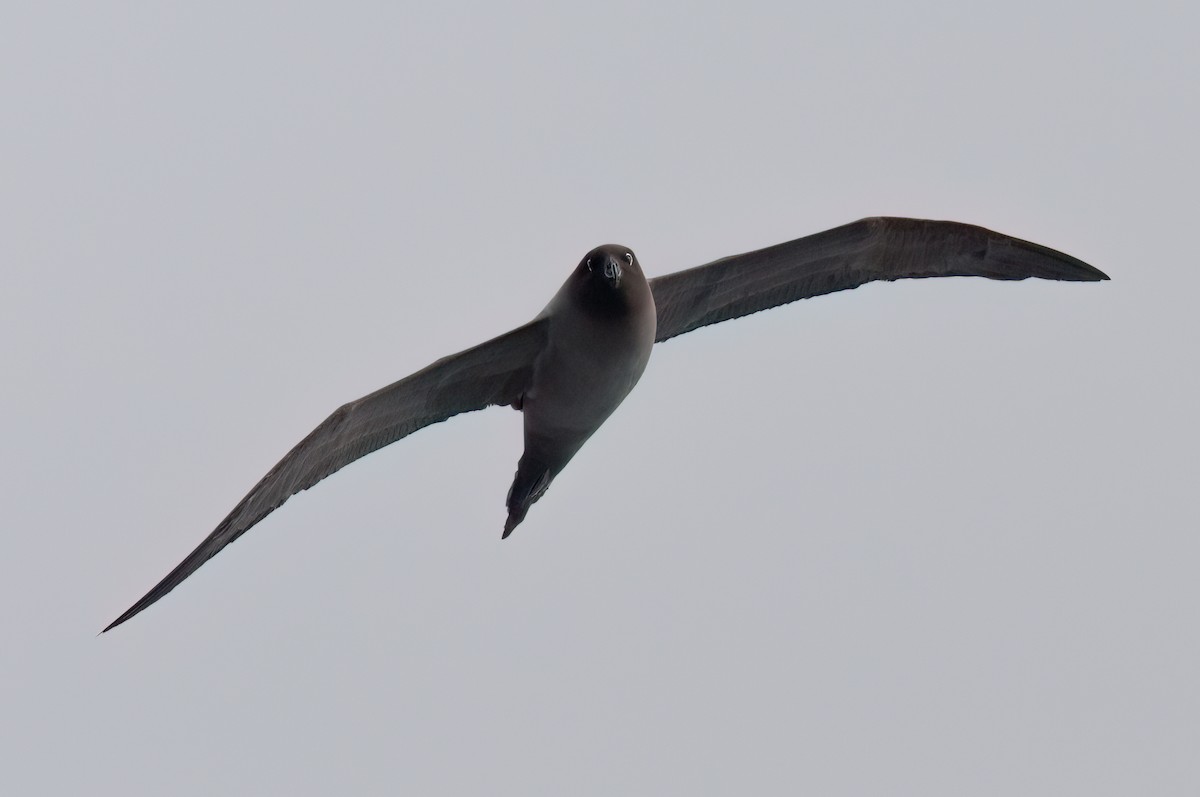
{"x":495,"y":372}
{"x":880,"y":248}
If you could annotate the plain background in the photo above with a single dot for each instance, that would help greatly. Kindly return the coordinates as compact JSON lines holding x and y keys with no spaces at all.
{"x":928,"y":538}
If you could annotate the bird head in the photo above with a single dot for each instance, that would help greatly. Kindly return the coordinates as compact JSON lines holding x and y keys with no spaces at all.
{"x":608,"y":264}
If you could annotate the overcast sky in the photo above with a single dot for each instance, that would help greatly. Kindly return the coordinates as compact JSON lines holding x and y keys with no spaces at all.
{"x":927,"y":538}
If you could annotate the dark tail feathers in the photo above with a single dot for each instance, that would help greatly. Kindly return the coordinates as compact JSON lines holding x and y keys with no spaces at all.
{"x":530,"y":484}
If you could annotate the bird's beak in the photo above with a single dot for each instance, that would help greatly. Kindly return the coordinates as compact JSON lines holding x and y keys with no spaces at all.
{"x":612,"y":271}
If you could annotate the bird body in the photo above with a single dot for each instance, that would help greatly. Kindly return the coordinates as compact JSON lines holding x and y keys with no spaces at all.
{"x":601,"y":331}
{"x":570,"y":367}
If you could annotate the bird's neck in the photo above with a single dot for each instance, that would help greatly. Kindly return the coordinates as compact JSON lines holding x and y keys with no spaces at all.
{"x":601,"y":301}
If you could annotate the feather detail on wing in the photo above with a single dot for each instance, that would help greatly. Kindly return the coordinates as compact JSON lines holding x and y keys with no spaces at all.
{"x":495,"y":372}
{"x":845,"y":257}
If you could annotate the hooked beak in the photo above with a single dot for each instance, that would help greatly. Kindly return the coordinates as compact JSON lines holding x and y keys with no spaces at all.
{"x":612,"y":271}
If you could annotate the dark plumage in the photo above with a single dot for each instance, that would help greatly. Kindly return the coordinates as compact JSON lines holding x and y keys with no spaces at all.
{"x":572,"y":365}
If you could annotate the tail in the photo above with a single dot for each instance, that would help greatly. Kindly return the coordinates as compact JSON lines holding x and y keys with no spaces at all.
{"x":531,"y":482}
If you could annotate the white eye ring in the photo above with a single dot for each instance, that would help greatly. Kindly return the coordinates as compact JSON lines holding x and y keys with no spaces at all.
{"x":629,"y":257}
{"x":589,"y":264}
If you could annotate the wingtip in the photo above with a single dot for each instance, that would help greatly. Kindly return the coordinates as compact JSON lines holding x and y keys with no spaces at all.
{"x":1090,"y":274}
{"x":1044,"y":262}
{"x":133,"y":610}
{"x":1086,"y":272}
{"x":115,"y":623}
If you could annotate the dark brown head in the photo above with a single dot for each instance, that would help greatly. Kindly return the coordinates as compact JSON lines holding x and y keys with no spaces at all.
{"x":607,"y":278}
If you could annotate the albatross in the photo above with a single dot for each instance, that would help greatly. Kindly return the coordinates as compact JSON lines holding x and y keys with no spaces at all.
{"x":577,"y":360}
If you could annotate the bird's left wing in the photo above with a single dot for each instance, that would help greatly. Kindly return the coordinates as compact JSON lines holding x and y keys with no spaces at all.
{"x":880,"y":248}
{"x":496,"y":372}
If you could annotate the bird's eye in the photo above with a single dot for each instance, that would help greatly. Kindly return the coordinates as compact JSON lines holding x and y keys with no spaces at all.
{"x":629,"y":257}
{"x":589,"y":264}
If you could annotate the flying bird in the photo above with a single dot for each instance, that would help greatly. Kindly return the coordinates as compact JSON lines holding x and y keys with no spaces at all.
{"x":577,"y":360}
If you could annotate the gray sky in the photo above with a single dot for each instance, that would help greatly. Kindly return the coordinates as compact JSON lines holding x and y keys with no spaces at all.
{"x":928,"y":538}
